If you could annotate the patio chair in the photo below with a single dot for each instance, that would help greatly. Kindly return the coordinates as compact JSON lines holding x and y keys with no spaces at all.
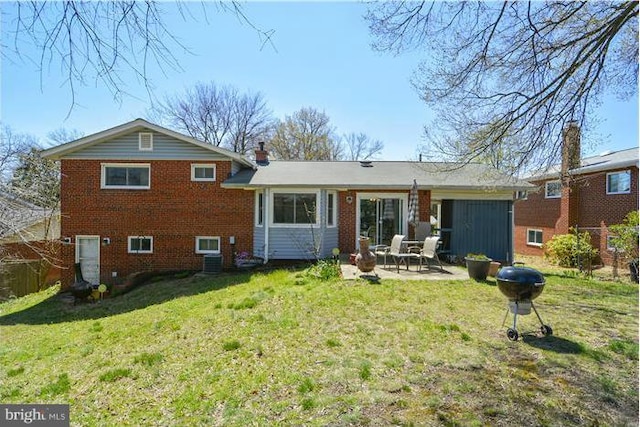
{"x":383,"y":251}
{"x":400,"y":256}
{"x":422,"y":230}
{"x":429,"y":252}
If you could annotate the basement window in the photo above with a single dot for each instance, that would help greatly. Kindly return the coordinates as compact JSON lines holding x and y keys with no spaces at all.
{"x":534,"y":237}
{"x":140,"y":245}
{"x":207,"y":245}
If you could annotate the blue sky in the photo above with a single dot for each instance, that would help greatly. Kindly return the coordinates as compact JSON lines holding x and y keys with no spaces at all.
{"x":320,"y":58}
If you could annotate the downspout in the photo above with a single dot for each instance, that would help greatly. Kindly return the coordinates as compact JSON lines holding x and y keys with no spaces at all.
{"x":266,"y":208}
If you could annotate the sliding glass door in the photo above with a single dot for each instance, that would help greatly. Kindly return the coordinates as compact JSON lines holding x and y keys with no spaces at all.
{"x":381,"y":217}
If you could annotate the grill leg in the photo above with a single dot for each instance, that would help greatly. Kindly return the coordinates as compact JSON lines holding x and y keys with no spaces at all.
{"x":536,"y":311}
{"x":515,"y":316}
{"x":505,"y":317}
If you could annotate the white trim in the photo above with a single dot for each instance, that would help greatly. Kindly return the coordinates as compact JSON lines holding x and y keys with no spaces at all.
{"x":103,"y":176}
{"x":130,"y":239}
{"x":627,"y":172}
{"x":256,"y":219}
{"x":334,"y":214}
{"x":535,"y":230}
{"x":404,"y":198}
{"x":207,"y":251}
{"x":141,"y":141}
{"x":195,"y":166}
{"x":294,"y":191}
{"x":77,"y":250}
{"x":546,"y":189}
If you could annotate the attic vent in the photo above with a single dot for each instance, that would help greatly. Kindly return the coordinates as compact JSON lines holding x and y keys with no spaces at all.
{"x":145,"y":141}
{"x":366,"y":164}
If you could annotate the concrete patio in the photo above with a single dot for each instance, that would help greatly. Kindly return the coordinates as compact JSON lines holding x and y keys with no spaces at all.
{"x":451,"y":272}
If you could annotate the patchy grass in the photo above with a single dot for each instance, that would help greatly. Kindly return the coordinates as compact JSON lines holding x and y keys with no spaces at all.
{"x":286,"y":349}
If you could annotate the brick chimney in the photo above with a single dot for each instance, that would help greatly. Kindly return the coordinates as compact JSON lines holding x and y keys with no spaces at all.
{"x":570,"y":191}
{"x":570,"y":149}
{"x":262,"y":156}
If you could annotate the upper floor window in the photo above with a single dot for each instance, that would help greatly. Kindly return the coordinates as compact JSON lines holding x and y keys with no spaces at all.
{"x":203,"y":172}
{"x":207,"y":245}
{"x":552,"y":189}
{"x":145,"y":141}
{"x":140,"y":245}
{"x":534,"y":237}
{"x":619,"y":182}
{"x":126,"y":176}
{"x":294,"y":208}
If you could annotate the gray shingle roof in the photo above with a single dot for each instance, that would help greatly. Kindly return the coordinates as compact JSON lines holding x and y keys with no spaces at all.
{"x":375,"y":175}
{"x":611,"y":160}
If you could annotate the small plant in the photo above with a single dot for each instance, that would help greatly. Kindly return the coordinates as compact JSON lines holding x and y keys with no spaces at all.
{"x":326,"y":269}
{"x":478,"y":257}
{"x":148,"y":359}
{"x":231,"y":345}
{"x":115,"y":374}
{"x":60,"y":386}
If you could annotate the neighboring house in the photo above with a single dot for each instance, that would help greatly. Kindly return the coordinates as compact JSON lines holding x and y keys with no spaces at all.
{"x":591,"y":193}
{"x":141,"y":197}
{"x":28,"y":233}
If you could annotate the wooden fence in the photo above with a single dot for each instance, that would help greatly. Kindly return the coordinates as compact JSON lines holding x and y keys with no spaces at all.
{"x":19,"y":278}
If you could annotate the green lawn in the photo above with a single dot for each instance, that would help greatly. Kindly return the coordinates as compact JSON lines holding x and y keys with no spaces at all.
{"x":283,"y":349}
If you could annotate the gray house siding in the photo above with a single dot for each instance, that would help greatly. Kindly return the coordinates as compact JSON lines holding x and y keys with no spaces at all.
{"x":164,"y":148}
{"x":482,"y":226}
{"x":297,"y":242}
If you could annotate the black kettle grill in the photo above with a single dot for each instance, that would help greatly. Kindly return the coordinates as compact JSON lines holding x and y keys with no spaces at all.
{"x":521,"y":285}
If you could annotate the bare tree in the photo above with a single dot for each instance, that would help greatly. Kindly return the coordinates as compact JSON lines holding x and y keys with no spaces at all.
{"x":360,"y":146}
{"x":99,"y":42}
{"x":305,"y":135}
{"x":12,"y":146}
{"x":508,"y":76}
{"x":219,"y":115}
{"x":63,"y":135}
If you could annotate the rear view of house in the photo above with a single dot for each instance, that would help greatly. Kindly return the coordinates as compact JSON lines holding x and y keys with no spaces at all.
{"x":140,"y":197}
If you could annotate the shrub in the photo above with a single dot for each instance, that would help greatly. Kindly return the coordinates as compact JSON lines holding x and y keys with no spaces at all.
{"x":625,"y":236}
{"x":570,"y":250}
{"x":326,"y":269}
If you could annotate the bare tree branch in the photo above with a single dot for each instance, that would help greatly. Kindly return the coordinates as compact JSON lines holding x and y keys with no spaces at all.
{"x":507,"y":77}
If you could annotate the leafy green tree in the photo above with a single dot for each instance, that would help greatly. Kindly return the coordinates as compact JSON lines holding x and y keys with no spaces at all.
{"x":508,"y":76}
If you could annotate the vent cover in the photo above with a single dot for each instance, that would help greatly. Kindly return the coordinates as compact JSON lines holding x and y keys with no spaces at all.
{"x":212,"y":264}
{"x":145,"y":141}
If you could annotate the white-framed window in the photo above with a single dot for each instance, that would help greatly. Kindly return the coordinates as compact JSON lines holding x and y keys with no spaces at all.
{"x":552,"y":189}
{"x":203,"y":172}
{"x":610,"y":246}
{"x":259,"y":208}
{"x":145,"y":141}
{"x":140,"y":244}
{"x":207,"y":244}
{"x":295,"y":208}
{"x":534,"y":237}
{"x":331,"y":208}
{"x":619,"y":182}
{"x":129,"y":176}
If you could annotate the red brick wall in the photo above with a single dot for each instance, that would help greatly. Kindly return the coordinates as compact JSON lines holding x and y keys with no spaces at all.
{"x":347,"y":215}
{"x":591,"y":204}
{"x":174,"y":210}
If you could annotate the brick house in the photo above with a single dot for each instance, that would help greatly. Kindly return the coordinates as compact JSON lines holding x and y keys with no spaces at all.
{"x":591,"y":193}
{"x":140,"y":197}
